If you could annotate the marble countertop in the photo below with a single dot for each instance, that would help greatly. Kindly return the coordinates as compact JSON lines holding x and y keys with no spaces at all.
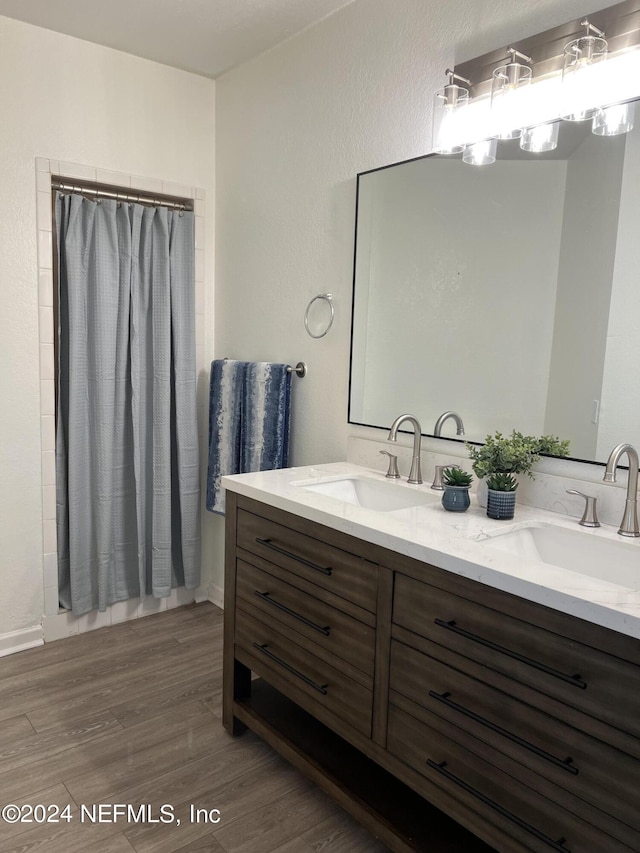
{"x":456,"y":542}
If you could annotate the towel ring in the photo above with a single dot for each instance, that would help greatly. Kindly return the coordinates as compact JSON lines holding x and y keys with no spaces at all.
{"x":327,"y":297}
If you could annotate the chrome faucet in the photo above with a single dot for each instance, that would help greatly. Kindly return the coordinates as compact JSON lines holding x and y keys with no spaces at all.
{"x":445,"y":417}
{"x":415,"y":475}
{"x":629,"y":523}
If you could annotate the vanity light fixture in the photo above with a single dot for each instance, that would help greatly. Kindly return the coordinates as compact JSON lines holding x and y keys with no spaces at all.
{"x":580,"y":58}
{"x":481,"y":153}
{"x":542,"y":137}
{"x":508,"y":81}
{"x":448,"y":102}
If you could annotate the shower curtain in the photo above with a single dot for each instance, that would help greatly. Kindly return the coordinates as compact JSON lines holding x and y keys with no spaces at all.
{"x":127,"y":463}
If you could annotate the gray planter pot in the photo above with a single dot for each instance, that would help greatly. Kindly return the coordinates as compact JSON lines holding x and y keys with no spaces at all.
{"x":501,"y":505}
{"x":456,"y":498}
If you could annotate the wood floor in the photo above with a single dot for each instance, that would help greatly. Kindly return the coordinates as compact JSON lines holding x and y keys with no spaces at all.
{"x":131,"y":714}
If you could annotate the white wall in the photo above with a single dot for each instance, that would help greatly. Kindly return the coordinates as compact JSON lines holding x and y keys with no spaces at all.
{"x":294,"y":127}
{"x":69,"y":100}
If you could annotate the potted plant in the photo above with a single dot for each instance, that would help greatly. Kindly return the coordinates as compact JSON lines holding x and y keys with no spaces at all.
{"x":455,"y":497}
{"x":501,"y":495}
{"x":514,"y":454}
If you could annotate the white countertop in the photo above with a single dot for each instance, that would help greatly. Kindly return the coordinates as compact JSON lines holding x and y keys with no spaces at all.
{"x":450,"y":541}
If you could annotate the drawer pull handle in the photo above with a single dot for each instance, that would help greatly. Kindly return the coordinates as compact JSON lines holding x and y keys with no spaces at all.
{"x":575,"y":680}
{"x":566,"y":764}
{"x":267,"y":543}
{"x":265,"y":596}
{"x":555,"y":845}
{"x":321,"y":688}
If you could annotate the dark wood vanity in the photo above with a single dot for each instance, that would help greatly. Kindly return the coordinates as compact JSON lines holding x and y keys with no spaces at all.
{"x":445,"y":715}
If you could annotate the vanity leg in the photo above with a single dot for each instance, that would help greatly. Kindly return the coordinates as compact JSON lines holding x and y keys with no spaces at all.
{"x":236,"y":685}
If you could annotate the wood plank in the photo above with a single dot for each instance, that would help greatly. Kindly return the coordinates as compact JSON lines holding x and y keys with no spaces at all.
{"x":277,"y":822}
{"x":125,"y":715}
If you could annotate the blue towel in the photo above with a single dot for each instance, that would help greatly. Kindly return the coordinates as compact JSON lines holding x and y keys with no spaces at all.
{"x":249,"y":421}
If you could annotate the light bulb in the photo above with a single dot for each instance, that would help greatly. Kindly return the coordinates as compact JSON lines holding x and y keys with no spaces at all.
{"x":612,"y":121}
{"x":542,"y":137}
{"x":481,"y":153}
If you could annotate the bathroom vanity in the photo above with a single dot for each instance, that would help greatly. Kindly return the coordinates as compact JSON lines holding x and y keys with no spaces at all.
{"x":449,"y":695}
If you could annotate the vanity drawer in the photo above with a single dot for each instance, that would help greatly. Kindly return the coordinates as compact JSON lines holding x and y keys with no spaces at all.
{"x":560,"y":754}
{"x":311,"y":682}
{"x":534,"y":822}
{"x":296,"y":612}
{"x":596,"y":683}
{"x":333,"y":569}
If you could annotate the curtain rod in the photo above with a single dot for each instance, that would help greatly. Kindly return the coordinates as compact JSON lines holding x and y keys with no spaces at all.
{"x":120,"y":196}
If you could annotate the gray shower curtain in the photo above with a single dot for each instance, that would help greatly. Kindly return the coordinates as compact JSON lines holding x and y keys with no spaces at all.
{"x":127,"y":462}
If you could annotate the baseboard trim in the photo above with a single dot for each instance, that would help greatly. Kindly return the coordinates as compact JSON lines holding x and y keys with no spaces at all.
{"x":18,"y":641}
{"x":216,"y":596}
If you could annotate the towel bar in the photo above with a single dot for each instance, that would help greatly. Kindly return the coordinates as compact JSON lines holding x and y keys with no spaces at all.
{"x":300,"y":369}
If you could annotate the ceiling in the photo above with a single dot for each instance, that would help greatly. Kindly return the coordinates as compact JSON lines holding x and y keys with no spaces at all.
{"x":206,"y":37}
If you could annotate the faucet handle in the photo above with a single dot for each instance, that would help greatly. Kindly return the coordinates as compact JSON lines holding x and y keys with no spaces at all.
{"x":392,"y":471}
{"x":437,"y":477}
{"x":590,"y":515}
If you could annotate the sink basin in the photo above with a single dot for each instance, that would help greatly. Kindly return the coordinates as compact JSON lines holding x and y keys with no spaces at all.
{"x":589,"y":554}
{"x":371,"y":494}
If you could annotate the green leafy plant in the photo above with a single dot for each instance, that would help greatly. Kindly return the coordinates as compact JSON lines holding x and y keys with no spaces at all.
{"x":516,"y":454}
{"x":551,"y":445}
{"x":502,"y":483}
{"x":455,"y":476}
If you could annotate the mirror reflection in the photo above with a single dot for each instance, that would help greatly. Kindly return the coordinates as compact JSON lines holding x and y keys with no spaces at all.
{"x":507,"y":293}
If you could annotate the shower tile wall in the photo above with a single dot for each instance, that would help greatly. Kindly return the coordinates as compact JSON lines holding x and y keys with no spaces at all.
{"x":59,"y":623}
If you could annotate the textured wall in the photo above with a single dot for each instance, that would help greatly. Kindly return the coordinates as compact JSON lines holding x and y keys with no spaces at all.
{"x":293,"y":128}
{"x":72,"y":101}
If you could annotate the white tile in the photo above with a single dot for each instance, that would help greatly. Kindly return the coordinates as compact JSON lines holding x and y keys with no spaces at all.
{"x":45,"y":287}
{"x":93,"y":620}
{"x":42,"y":164}
{"x":149,"y":605}
{"x":48,"y":475}
{"x":76,"y":170}
{"x":50,"y":570}
{"x":199,"y":265}
{"x":116,"y":179}
{"x":124,"y":611}
{"x":47,"y":397}
{"x":49,"y":536}
{"x":43,"y":211}
{"x":47,"y":365}
{"x":47,"y":432}
{"x":199,"y":232}
{"x":45,"y":250}
{"x":172,"y":600}
{"x":199,"y":333}
{"x":146,"y":185}
{"x":199,"y":306}
{"x":199,"y":207}
{"x":46,"y":325}
{"x":43,"y":182}
{"x":49,"y":502}
{"x":199,"y":193}
{"x":179,"y":190}
{"x":59,"y":627}
{"x":51,"y":600}
{"x":185,"y":596}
